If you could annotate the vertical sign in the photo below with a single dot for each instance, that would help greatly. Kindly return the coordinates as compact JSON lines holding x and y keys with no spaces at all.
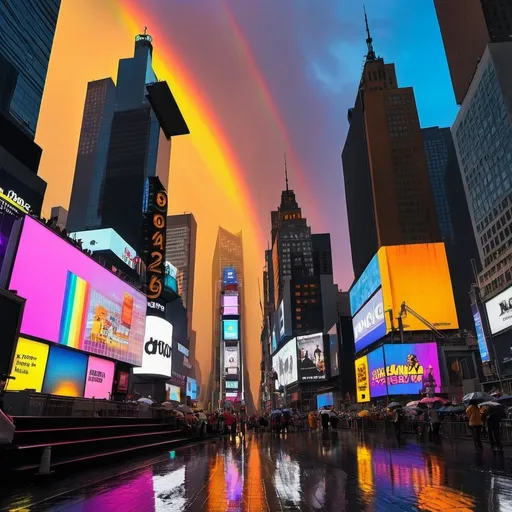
{"x":482,"y":342}
{"x":155,"y":234}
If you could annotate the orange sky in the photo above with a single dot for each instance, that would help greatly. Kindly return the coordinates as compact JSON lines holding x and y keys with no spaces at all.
{"x":91,"y":36}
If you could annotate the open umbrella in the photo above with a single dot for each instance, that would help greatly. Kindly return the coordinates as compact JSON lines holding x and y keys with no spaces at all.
{"x":489,"y":404}
{"x":145,"y":401}
{"x":414,"y":403}
{"x":363,"y":414}
{"x":451,"y":409}
{"x":185,"y":409}
{"x":433,"y":400}
{"x":505,"y":400}
{"x":167,"y":405}
{"x":394,"y":405}
{"x":478,"y":396}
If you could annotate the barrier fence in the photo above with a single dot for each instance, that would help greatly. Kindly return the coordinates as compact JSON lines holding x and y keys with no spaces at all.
{"x":449,"y":429}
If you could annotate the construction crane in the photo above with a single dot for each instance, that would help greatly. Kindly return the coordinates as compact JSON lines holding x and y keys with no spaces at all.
{"x":405,"y":309}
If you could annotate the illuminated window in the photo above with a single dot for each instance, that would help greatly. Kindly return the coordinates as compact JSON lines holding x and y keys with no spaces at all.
{"x":297,"y":294}
{"x":298,"y":310}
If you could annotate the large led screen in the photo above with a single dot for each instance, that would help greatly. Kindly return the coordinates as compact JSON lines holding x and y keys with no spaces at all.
{"x":284,"y":364}
{"x":231,"y":357}
{"x":65,"y":372}
{"x":411,"y":369}
{"x":230,"y":310}
{"x":365,"y":285}
{"x":418,"y":275}
{"x":334,"y":351}
{"x":100,"y":375}
{"x":172,"y":393}
{"x":362,"y":380}
{"x":369,"y":323}
{"x":73,"y":300}
{"x":311,"y":357}
{"x":229,"y":276}
{"x":229,"y":301}
{"x":499,"y":311}
{"x":191,"y":388}
{"x":28,"y":365}
{"x":480,"y":336}
{"x":10,"y":212}
{"x":230,"y":330}
{"x":324,"y":400}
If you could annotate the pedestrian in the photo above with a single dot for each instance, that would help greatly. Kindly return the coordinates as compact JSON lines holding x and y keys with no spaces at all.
{"x":312,"y":420}
{"x":228,"y":422}
{"x":324,"y":416}
{"x":435,"y":424}
{"x":334,"y":420}
{"x":397,"y":420}
{"x":494,"y":415}
{"x":475,"y":423}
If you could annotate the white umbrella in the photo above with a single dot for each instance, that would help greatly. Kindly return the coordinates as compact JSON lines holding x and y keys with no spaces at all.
{"x":488,"y":404}
{"x":479,"y":396}
{"x":145,"y":401}
{"x":185,"y":409}
{"x":167,"y":405}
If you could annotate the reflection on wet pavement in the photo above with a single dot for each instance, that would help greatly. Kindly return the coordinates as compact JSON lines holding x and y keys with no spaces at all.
{"x":300,"y":471}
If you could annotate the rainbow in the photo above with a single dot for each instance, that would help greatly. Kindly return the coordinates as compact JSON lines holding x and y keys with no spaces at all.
{"x":206,"y":130}
{"x":72,"y":324}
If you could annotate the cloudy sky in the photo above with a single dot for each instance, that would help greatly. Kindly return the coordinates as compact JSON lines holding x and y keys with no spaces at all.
{"x":254,"y":79}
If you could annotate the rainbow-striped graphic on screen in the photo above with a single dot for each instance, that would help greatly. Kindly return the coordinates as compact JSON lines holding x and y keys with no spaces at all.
{"x":74,"y":311}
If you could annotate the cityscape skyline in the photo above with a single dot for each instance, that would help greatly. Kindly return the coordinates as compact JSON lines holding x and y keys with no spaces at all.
{"x":244,"y":82}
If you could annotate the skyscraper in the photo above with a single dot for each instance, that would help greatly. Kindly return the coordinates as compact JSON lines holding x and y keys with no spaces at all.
{"x":26,"y":39}
{"x":387,"y":186}
{"x":453,"y":215}
{"x":85,"y":204}
{"x":467,"y":26}
{"x":482,"y":134}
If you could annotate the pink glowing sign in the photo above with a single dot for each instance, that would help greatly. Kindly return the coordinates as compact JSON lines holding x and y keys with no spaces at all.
{"x":230,"y":301}
{"x":100,"y":375}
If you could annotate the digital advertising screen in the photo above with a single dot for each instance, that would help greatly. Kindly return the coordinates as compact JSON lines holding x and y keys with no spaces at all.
{"x":311,"y":357}
{"x":28,"y":366}
{"x":231,"y":357}
{"x":480,"y":335}
{"x":231,"y":384}
{"x":324,"y":400}
{"x":100,"y":376}
{"x":10,"y":211}
{"x":229,"y":276}
{"x":334,"y":348}
{"x":411,"y":369}
{"x":157,"y":355}
{"x":229,"y":301}
{"x":365,"y":285}
{"x":230,"y":330}
{"x":499,"y":311}
{"x":230,"y":310}
{"x":74,"y":301}
{"x":65,"y":372}
{"x":369,"y":323}
{"x":170,"y":276}
{"x":285,"y":364}
{"x":191,"y":388}
{"x":419,"y":275}
{"x":123,"y":379}
{"x":362,"y":380}
{"x":172,"y":392}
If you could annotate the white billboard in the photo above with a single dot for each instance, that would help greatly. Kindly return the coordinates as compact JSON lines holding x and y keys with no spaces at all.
{"x":284,"y":364}
{"x":157,"y":354}
{"x":231,"y":357}
{"x":499,"y":311}
{"x":369,"y":323}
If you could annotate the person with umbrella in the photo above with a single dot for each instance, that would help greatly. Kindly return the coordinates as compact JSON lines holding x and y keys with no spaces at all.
{"x":493,"y":414}
{"x":475,"y":423}
{"x":435,"y":423}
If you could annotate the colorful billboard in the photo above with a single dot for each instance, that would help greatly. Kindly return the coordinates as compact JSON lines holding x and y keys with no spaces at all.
{"x":10,"y":212}
{"x":230,"y":330}
{"x":229,"y":276}
{"x":229,"y":300}
{"x":334,"y":351}
{"x":191,"y":388}
{"x":284,"y":364}
{"x":480,"y":335}
{"x":231,"y":384}
{"x":157,"y":355}
{"x":74,"y":301}
{"x":231,"y":358}
{"x":369,"y":323}
{"x":499,"y":311}
{"x":311,"y":357}
{"x":412,"y":368}
{"x":100,"y":376}
{"x":419,"y":275}
{"x":324,"y":400}
{"x":362,"y":380}
{"x":365,"y":285}
{"x":28,"y":366}
{"x":170,"y":276}
{"x":65,"y":372}
{"x":172,"y":392}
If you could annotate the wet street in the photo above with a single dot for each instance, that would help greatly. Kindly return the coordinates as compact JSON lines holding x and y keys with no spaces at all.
{"x":300,"y":471}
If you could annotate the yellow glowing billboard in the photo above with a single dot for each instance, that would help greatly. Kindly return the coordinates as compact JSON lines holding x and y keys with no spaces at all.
{"x":362,"y":380}
{"x":28,"y":366}
{"x":418,"y":275}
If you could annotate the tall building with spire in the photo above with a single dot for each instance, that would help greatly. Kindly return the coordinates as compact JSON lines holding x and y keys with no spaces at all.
{"x":387,"y":186}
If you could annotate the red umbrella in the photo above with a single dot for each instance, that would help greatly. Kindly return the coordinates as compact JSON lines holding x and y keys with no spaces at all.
{"x":433,"y":400}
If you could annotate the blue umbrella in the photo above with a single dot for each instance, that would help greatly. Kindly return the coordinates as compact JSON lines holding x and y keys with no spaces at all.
{"x":505,"y":400}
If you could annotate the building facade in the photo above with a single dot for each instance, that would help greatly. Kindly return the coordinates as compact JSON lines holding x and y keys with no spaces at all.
{"x":85,"y":203}
{"x":482,"y":134}
{"x":391,"y":182}
{"x":466,"y":27}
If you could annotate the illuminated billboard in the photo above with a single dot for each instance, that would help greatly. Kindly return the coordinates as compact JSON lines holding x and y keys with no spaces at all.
{"x":107,"y":239}
{"x":365,"y":285}
{"x":10,"y":211}
{"x":499,"y":311}
{"x":230,"y":330}
{"x":334,"y":351}
{"x":172,"y":392}
{"x":229,"y":276}
{"x":411,"y":368}
{"x":369,"y":323}
{"x":170,"y":276}
{"x":231,"y":358}
{"x":419,"y":275}
{"x":231,"y":384}
{"x":230,"y":310}
{"x":362,"y":380}
{"x":284,"y":364}
{"x":157,"y":355}
{"x":311,"y":357}
{"x":480,"y":336}
{"x":74,"y":301}
{"x":65,"y":372}
{"x":100,"y":376}
{"x":229,"y":301}
{"x":191,"y":388}
{"x":28,"y":366}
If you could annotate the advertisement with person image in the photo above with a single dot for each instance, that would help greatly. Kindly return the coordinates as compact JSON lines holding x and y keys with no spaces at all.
{"x":311,"y":357}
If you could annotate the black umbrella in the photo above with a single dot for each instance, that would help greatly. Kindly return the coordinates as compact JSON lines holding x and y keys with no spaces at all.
{"x":394,"y":405}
